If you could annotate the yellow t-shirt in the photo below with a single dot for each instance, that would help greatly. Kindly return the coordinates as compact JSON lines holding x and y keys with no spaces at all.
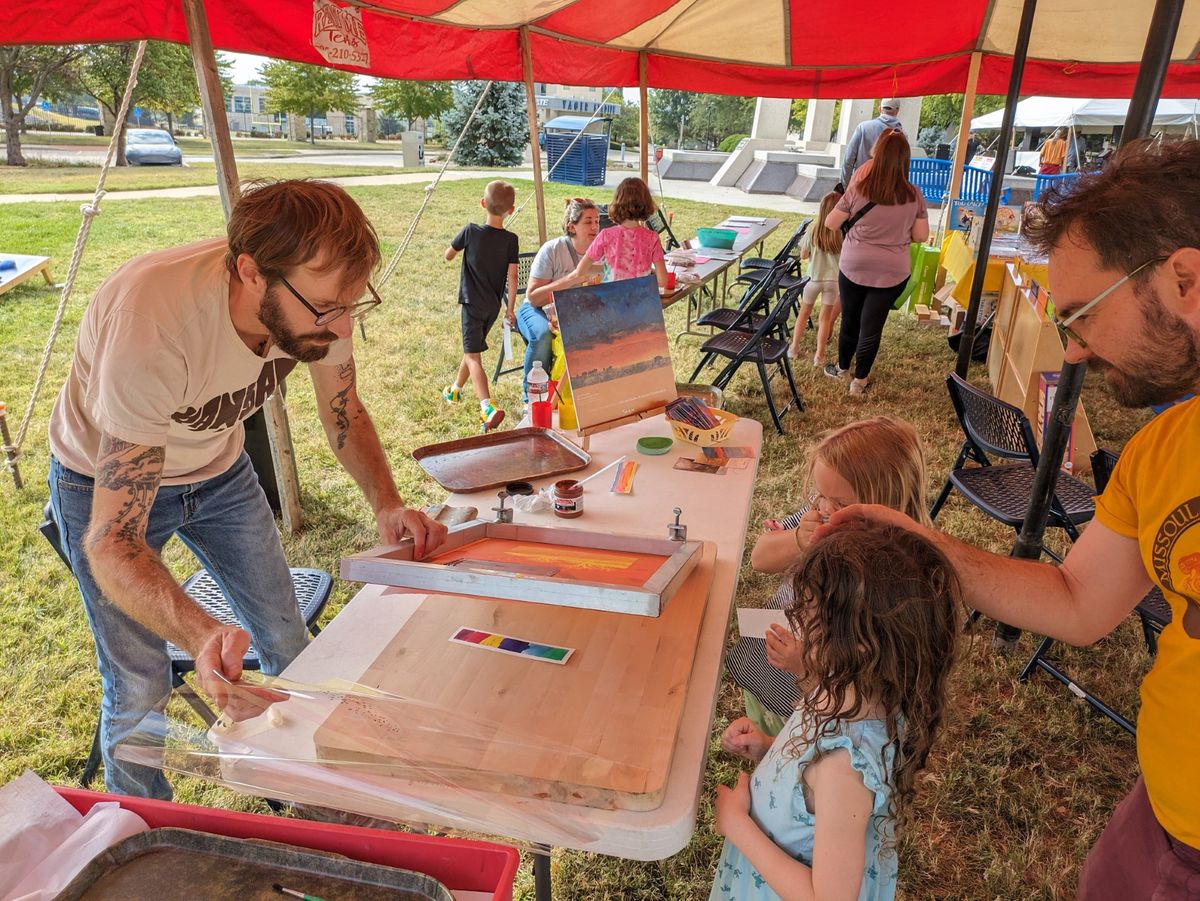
{"x":1154,"y":496}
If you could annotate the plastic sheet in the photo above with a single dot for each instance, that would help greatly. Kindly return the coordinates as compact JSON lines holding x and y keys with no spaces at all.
{"x":352,"y":748}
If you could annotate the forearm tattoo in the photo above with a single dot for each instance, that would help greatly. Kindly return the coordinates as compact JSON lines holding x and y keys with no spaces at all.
{"x":136,"y":477}
{"x":341,"y":401}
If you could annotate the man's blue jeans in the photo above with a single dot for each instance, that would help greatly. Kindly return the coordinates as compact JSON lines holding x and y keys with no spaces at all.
{"x":227,"y":524}
{"x":535,"y":329}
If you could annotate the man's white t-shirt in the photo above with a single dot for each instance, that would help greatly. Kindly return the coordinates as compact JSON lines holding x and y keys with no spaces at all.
{"x":159,"y":363}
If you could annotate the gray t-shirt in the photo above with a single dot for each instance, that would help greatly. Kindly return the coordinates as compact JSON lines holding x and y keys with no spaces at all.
{"x":555,"y":259}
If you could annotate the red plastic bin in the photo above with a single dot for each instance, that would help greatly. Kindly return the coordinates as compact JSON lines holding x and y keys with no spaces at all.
{"x":460,"y":864}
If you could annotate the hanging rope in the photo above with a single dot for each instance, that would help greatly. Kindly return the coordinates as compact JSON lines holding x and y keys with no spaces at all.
{"x":12,"y":451}
{"x":562,"y":156}
{"x":429,"y":189}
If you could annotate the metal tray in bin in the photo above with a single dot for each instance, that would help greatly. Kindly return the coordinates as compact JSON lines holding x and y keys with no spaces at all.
{"x":177,"y":862}
{"x":497,"y":458}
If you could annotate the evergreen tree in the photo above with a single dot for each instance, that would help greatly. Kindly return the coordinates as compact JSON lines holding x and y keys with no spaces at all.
{"x":500,"y":130}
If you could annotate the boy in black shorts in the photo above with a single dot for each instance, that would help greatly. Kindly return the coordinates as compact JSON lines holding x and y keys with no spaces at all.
{"x":489,"y":265}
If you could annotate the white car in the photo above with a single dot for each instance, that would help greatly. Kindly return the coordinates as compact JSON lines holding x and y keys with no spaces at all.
{"x":151,"y":146}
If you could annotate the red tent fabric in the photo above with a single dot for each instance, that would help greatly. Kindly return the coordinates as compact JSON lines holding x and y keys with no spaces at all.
{"x":782,"y":48}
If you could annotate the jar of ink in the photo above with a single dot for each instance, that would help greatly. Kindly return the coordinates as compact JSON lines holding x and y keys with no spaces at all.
{"x":568,"y":498}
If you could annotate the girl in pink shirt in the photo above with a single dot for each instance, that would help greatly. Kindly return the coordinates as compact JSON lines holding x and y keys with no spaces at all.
{"x":630,"y":249}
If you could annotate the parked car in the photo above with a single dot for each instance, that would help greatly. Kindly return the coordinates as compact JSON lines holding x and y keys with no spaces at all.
{"x":151,"y":146}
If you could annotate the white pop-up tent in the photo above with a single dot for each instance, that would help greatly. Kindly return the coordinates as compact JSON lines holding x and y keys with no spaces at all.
{"x":1051,"y":112}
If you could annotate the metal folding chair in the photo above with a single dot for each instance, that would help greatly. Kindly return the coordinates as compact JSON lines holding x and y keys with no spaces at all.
{"x":524,"y":264}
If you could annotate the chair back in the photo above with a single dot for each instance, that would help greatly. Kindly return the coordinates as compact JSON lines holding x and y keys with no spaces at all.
{"x":776,"y":319}
{"x":658,"y":224}
{"x":991,"y":425}
{"x":758,"y":294}
{"x":931,"y":176}
{"x":1059,"y":184}
{"x":605,"y":220}
{"x":524,"y":264}
{"x":789,"y":250}
{"x":1103,"y":463}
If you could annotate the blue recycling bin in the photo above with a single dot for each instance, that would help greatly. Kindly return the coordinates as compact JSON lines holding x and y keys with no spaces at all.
{"x":577,"y":162}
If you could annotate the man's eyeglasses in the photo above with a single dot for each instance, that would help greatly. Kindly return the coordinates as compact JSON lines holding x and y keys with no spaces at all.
{"x":1064,"y":325}
{"x":357,"y":311}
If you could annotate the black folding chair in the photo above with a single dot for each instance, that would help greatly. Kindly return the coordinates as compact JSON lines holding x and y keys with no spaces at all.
{"x":1153,"y":611}
{"x":1002,"y":491}
{"x":312,"y":591}
{"x":658,"y":223}
{"x":753,"y":269}
{"x":756,"y":300}
{"x":524,"y":264}
{"x":762,"y":347}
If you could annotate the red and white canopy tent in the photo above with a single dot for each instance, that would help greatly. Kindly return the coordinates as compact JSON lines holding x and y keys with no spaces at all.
{"x":775,"y":48}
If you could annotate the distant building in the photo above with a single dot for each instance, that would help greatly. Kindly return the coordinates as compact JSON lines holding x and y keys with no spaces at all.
{"x":555,"y":100}
{"x":246,"y":109}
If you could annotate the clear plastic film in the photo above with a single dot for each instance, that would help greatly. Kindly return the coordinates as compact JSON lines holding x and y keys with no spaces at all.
{"x":352,"y":748}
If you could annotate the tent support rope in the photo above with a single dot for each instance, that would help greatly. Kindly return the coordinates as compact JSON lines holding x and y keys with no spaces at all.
{"x":429,"y":189}
{"x":12,"y":451}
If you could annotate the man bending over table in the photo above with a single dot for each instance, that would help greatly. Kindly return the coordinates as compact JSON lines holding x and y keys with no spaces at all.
{"x":177,"y":348}
{"x":1124,"y":269}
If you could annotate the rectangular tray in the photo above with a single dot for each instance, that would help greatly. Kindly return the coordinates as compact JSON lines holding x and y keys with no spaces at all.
{"x":497,"y":458}
{"x":143,"y":866}
{"x":644,"y":595}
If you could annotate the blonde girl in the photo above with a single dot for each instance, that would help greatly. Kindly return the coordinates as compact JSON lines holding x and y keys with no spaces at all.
{"x":821,"y":246}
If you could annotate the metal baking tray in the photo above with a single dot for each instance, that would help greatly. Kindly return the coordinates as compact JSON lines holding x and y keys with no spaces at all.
{"x":181,"y":862}
{"x":497,"y":458}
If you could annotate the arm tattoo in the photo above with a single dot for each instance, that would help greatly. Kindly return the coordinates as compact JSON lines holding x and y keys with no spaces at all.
{"x":137,"y":477}
{"x":341,"y":400}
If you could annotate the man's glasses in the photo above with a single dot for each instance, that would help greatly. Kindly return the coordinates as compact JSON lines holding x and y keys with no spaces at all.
{"x":1064,"y":325}
{"x":357,"y":311}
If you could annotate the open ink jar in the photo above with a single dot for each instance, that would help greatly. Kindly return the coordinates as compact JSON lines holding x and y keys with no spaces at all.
{"x":568,"y":498}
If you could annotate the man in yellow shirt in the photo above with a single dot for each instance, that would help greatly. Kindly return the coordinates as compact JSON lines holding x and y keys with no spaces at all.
{"x":1129,"y":302}
{"x":1053,"y":154}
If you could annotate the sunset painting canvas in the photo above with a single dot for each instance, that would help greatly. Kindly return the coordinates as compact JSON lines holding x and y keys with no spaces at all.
{"x":618,"y":357}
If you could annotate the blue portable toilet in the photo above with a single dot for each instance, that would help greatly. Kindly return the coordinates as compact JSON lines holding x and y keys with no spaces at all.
{"x":586,"y":162}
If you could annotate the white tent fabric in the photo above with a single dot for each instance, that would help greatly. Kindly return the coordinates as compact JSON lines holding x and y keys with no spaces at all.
{"x":1050,"y":112}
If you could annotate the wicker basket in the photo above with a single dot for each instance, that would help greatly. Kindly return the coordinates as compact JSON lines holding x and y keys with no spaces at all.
{"x":685,"y":431}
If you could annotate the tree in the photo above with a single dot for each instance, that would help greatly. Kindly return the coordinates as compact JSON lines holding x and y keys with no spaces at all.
{"x":26,"y":74}
{"x":669,"y":114}
{"x":166,"y":80}
{"x":945,"y":110}
{"x":500,"y":131}
{"x":627,"y":124}
{"x":714,"y":117}
{"x":304,"y":90}
{"x":412,"y":99}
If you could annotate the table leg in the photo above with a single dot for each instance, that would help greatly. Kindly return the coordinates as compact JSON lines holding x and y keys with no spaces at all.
{"x":541,"y":873}
{"x":46,"y":274}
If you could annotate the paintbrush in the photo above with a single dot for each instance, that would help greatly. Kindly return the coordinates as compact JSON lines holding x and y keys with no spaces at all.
{"x":617,"y":462}
{"x":294,"y":894}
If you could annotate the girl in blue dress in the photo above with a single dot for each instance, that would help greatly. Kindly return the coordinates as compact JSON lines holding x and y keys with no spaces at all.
{"x":878,"y":611}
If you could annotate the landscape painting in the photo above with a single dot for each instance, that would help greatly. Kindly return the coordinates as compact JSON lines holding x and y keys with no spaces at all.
{"x":618,"y":356}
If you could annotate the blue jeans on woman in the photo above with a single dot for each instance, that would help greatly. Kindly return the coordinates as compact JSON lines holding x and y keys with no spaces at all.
{"x":228,"y":525}
{"x":535,"y":329}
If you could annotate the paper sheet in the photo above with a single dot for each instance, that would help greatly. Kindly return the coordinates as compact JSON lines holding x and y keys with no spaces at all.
{"x":753,"y":622}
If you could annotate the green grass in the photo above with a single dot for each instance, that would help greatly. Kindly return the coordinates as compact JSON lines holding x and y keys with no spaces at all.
{"x":66,"y":179}
{"x":1023,"y":778}
{"x":265,"y":146}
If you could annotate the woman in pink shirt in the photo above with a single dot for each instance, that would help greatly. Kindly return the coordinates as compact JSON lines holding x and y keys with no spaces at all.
{"x":630,"y":249}
{"x":889,"y":214}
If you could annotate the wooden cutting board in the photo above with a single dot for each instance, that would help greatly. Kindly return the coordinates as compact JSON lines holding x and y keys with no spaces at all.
{"x":598,"y":731}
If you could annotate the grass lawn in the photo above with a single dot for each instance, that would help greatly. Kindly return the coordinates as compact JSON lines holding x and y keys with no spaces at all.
{"x":1022,"y":779}
{"x":68,"y":179}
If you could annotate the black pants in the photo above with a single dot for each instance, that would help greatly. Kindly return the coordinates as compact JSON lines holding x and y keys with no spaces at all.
{"x":864,"y":313}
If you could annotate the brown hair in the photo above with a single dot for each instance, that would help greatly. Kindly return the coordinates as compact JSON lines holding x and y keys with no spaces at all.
{"x":573,"y":211}
{"x":499,"y":197}
{"x":878,"y":608}
{"x":1153,"y":190}
{"x":631,"y":202}
{"x":887,"y":181}
{"x":283,"y":224}
{"x":882,"y":459}
{"x":827,"y":239}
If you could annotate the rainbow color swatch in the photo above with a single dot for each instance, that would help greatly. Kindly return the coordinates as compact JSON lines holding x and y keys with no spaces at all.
{"x":518,"y":647}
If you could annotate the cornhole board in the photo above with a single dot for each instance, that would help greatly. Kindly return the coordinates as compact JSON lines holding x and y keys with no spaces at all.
{"x":27,"y":267}
{"x":597,"y":731}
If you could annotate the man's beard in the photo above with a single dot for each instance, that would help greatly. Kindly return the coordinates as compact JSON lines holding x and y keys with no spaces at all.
{"x":305,"y":348}
{"x":1164,"y":365}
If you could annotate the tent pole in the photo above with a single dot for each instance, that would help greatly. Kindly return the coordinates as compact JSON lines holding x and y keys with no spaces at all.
{"x":967,"y":342}
{"x":212,"y":99}
{"x":1160,"y":39}
{"x":644,"y":116}
{"x":964,"y":129}
{"x":535,"y":149}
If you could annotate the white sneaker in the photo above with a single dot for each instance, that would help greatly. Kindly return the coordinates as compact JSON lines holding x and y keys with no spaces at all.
{"x":792,"y":353}
{"x":832,"y":370}
{"x":859,"y":386}
{"x":818,"y":362}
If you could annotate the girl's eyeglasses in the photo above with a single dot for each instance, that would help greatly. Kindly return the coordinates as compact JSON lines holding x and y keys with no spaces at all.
{"x":1064,"y":325}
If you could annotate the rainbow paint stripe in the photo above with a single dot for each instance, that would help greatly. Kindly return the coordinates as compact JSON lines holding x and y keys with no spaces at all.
{"x":623,"y":480}
{"x":517,"y":647}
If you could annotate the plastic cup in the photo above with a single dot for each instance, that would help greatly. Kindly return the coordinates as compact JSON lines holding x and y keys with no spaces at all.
{"x":670,"y":286}
{"x":541,"y":414}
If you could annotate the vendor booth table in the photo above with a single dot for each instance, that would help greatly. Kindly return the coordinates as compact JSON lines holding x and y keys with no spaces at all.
{"x":958,"y":259}
{"x":715,"y":508}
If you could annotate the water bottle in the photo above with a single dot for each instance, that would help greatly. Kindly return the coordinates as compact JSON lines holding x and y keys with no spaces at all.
{"x":538,"y":383}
